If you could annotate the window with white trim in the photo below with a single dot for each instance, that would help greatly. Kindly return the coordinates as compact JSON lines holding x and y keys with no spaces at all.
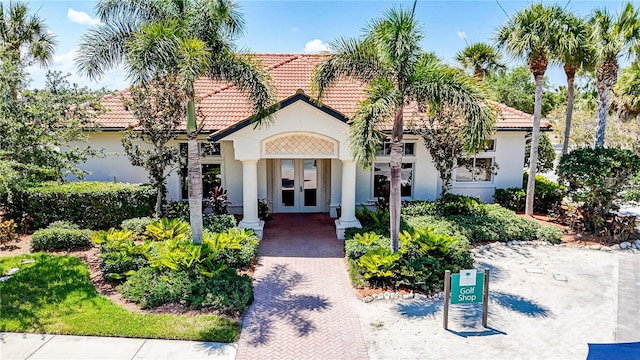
{"x":382,"y":177}
{"x":489,"y":145}
{"x":474,"y":170}
{"x":211,"y":172}
{"x":407,"y":148}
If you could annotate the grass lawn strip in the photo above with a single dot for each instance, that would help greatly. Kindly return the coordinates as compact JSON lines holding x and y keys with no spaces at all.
{"x":54,"y":295}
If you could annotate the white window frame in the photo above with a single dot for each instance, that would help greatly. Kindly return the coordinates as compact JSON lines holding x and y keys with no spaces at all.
{"x":473,"y":181}
{"x":204,"y":160}
{"x":373,"y":178}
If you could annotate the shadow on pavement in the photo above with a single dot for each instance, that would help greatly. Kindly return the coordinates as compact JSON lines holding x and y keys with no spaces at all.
{"x":275,"y":302}
{"x":519,"y":304}
{"x":416,"y":309}
{"x":486,"y":332}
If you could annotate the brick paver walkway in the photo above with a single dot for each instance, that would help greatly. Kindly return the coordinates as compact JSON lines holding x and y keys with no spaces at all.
{"x":304,"y":304}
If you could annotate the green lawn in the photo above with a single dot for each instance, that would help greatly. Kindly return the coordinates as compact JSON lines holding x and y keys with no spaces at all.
{"x":54,"y":295}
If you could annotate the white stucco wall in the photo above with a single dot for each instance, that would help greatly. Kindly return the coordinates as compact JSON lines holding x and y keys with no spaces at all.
{"x":509,"y":155}
{"x":303,"y":118}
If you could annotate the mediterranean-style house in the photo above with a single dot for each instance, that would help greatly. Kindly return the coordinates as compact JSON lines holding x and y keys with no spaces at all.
{"x":301,"y":161}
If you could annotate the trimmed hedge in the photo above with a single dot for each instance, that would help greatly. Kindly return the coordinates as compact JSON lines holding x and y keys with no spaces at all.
{"x":53,"y":239}
{"x":90,"y":204}
{"x":547,"y":194}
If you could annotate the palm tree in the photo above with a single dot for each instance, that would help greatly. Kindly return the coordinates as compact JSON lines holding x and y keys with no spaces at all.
{"x":389,"y":59}
{"x":189,"y":39}
{"x":626,"y":100}
{"x":574,"y":58}
{"x":611,"y":38}
{"x":25,"y":38}
{"x":534,"y":34}
{"x":481,"y":58}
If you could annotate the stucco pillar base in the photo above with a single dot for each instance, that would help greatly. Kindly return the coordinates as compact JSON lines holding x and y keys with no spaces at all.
{"x":257,"y":227}
{"x":341,"y":226}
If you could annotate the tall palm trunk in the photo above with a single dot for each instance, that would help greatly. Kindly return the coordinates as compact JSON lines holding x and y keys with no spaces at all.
{"x":570,"y":71}
{"x":538,"y":68}
{"x":395,"y":196}
{"x":194,"y":173}
{"x":606,"y":77}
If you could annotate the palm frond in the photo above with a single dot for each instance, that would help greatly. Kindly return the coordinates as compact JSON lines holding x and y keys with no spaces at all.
{"x":132,"y":11}
{"x":193,"y":61}
{"x":378,"y":108}
{"x":348,"y":58}
{"x":397,"y":36}
{"x":102,"y":48}
{"x":533,"y":33}
{"x":439,"y":88}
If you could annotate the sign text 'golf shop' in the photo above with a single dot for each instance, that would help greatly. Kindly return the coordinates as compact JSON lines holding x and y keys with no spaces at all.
{"x":466,"y":287}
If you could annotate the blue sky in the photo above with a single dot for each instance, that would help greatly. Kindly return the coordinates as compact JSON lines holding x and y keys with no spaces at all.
{"x":307,"y":25}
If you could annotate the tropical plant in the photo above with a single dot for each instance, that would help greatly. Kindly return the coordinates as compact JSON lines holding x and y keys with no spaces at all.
{"x":188,"y":39}
{"x":480,"y":58}
{"x":574,"y":59}
{"x":158,"y":108}
{"x":389,"y":59}
{"x":218,"y":201}
{"x":164,"y":229}
{"x":611,"y":37}
{"x":25,"y":38}
{"x":626,"y":100}
{"x":535,"y":34}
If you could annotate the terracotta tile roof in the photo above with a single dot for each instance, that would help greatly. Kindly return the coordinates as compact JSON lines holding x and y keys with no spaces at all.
{"x":224,"y":105}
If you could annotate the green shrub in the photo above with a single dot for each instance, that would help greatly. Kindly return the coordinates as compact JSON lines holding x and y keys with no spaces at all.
{"x":499,"y":224}
{"x":597,"y":181}
{"x":137,"y":225}
{"x":453,"y":204}
{"x":243,"y":256}
{"x":511,"y":198}
{"x":121,"y":256}
{"x":424,"y":255}
{"x":419,"y":208}
{"x":8,"y":232}
{"x":548,"y":194}
{"x":60,"y":239}
{"x":178,"y":210}
{"x":94,"y":205}
{"x":227,"y":291}
{"x":550,"y":233}
{"x":218,"y":223}
{"x":61,"y":224}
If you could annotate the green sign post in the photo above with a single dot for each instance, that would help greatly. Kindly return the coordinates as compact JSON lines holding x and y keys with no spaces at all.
{"x":466,"y":287}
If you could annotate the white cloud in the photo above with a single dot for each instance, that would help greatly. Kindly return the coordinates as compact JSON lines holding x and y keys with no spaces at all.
{"x":81,"y":17}
{"x":65,"y":63}
{"x":315,"y":46}
{"x":462,"y":35}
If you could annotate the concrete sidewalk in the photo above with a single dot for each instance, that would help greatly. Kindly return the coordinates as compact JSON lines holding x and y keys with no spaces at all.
{"x":18,"y":346}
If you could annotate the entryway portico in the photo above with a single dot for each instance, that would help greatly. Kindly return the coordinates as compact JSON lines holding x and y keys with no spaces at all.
{"x":299,"y":162}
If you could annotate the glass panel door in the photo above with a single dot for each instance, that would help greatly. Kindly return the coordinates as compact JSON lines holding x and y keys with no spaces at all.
{"x":300,"y":187}
{"x":288,"y":190}
{"x":310,"y":193}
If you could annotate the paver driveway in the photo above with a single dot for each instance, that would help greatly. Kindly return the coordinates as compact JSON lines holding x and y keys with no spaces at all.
{"x":304,"y":305}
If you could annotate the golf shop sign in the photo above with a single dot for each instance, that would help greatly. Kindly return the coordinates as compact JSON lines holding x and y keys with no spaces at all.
{"x":468,"y":286}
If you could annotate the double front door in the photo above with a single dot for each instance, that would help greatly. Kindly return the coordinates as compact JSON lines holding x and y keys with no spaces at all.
{"x":299,"y":185}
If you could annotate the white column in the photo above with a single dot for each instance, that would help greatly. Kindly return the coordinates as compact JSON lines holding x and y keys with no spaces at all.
{"x":250,"y":218}
{"x":348,"y":205}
